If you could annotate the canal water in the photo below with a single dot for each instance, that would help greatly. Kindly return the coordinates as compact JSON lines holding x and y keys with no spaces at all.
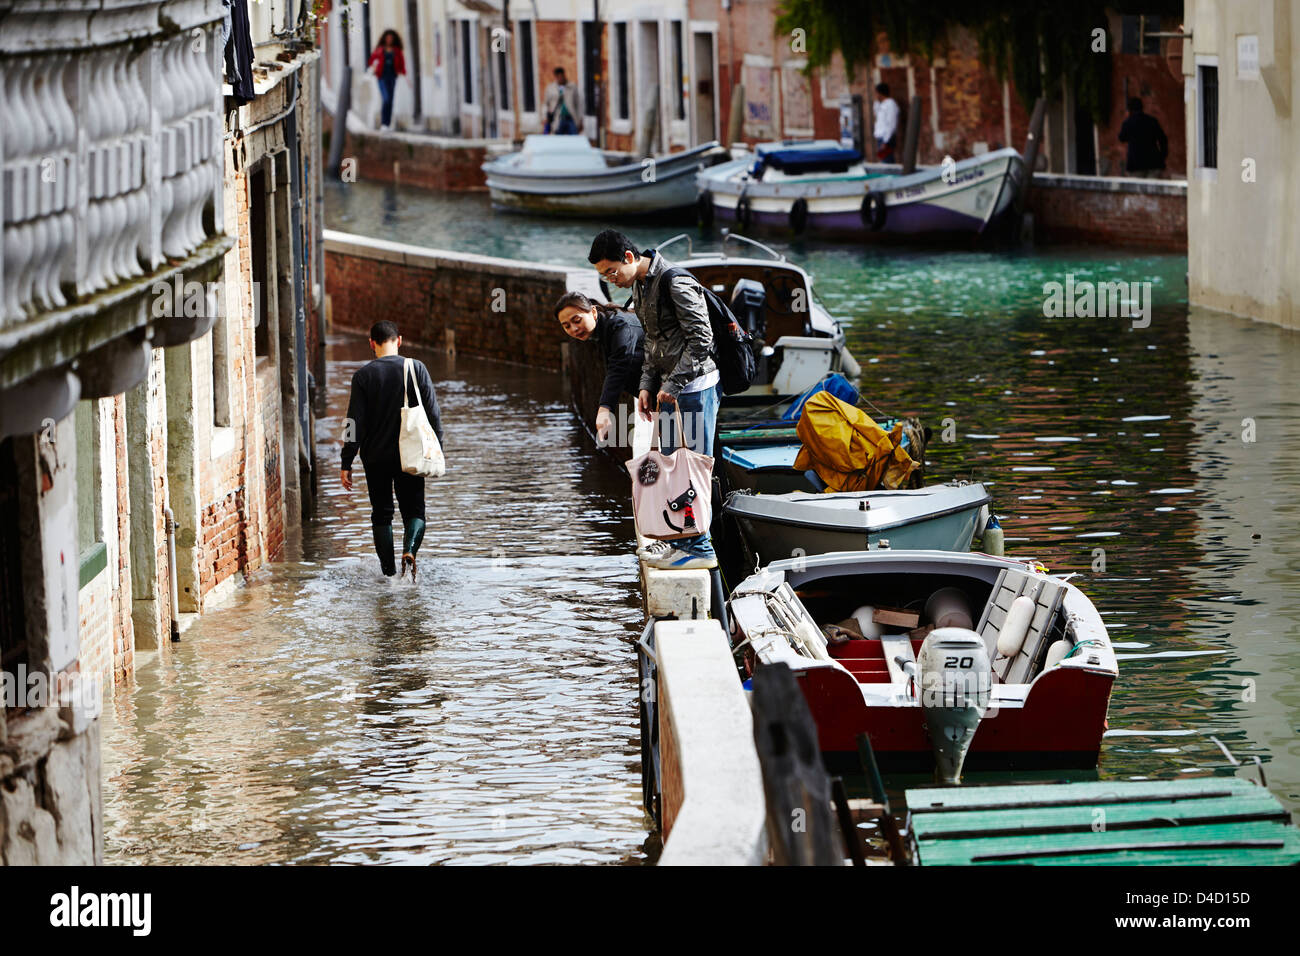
{"x":488,"y":715}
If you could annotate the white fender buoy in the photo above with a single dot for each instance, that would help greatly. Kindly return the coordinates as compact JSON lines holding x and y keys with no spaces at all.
{"x":813,"y":641}
{"x":1016,"y":627}
{"x":1056,"y":653}
{"x":948,"y":607}
{"x":866,"y":625}
{"x":993,"y":541}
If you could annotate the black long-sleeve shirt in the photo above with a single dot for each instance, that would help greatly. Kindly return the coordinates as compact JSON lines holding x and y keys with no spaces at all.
{"x":375,"y":411}
{"x":1148,"y":146}
{"x":621,"y":340}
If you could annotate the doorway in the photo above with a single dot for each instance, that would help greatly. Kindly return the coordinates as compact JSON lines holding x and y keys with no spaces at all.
{"x":703,"y":93}
{"x":649,"y":77}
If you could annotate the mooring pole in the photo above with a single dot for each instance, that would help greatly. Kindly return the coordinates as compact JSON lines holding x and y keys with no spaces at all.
{"x":1031,"y":160}
{"x":913,"y":136}
{"x":342,"y":104}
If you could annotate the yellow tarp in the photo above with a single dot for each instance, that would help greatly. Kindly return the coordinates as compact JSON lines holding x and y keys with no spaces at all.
{"x":848,"y":450}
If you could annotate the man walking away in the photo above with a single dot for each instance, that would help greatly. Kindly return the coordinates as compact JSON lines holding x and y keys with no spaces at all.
{"x":373,"y":422}
{"x":563,"y":106}
{"x":885,"y":132}
{"x":678,"y":369}
{"x":1148,"y":146}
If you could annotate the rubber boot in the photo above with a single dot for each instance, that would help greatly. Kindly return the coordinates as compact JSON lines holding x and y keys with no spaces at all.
{"x":414,"y":534}
{"x":411,"y":538}
{"x":384,"y":548}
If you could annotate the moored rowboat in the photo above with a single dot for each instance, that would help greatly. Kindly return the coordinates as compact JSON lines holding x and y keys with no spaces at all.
{"x":939,"y":517}
{"x":1033,"y":675}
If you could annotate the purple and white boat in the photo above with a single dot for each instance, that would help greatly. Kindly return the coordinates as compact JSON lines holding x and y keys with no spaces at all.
{"x":820,"y":188}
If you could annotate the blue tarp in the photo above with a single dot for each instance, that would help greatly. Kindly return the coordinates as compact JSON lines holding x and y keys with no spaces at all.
{"x":836,"y":384}
{"x":812,"y":160}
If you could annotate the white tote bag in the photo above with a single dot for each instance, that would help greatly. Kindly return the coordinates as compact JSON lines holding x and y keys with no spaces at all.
{"x":416,"y":442}
{"x":672,"y":494}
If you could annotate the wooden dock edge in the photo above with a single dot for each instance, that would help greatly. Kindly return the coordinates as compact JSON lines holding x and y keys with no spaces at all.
{"x":714,"y":808}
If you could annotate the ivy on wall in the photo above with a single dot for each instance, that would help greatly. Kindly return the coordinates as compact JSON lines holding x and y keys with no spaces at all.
{"x":1037,"y":46}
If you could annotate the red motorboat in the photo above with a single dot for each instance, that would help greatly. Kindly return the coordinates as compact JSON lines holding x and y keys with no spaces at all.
{"x":938,"y":656}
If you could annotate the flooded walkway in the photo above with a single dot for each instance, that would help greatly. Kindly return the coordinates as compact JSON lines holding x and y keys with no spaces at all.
{"x":487,"y":715}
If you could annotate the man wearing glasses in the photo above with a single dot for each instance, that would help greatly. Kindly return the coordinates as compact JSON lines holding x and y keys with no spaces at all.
{"x":678,"y":370}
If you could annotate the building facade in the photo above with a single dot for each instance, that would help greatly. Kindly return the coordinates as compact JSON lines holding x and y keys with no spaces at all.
{"x":661,"y":77}
{"x":159,"y":339}
{"x":480,"y":70}
{"x":1243,"y":88}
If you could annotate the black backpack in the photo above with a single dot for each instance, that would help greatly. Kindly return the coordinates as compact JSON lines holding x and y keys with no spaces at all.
{"x":733,"y":347}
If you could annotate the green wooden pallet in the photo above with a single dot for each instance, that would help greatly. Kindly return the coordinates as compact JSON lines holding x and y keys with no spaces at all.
{"x":1216,"y":820}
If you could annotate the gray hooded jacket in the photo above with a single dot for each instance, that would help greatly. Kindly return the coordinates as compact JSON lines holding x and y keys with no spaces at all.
{"x":678,"y":340}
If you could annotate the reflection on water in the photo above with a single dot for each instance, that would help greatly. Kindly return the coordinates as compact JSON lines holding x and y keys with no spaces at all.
{"x":489,"y":715}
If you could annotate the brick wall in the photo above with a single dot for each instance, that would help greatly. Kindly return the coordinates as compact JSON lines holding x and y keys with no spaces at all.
{"x":494,"y":308}
{"x":968,"y":97}
{"x":106,"y":632}
{"x":1161,"y":91}
{"x":426,"y":161}
{"x":557,"y":45}
{"x":1126,"y":212}
{"x":96,"y":620}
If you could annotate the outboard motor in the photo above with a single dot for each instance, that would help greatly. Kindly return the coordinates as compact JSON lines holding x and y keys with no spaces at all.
{"x":748,"y":300}
{"x":956,"y":680}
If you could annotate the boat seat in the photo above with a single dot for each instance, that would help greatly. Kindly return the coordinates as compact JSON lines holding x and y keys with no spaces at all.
{"x":1047,"y":594}
{"x":815,"y":480}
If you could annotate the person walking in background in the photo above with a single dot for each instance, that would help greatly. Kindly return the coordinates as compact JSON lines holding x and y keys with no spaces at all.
{"x":678,"y":369}
{"x":563,"y":105}
{"x":379,"y":389}
{"x":1148,"y":146}
{"x":388,"y":64}
{"x":621,"y":340}
{"x":885,"y":132}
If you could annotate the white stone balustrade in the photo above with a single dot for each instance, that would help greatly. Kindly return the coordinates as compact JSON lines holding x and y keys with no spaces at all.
{"x":110,"y":134}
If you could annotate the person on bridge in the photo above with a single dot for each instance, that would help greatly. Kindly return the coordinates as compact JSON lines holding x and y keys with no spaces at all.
{"x":563,"y":103}
{"x":379,"y":390}
{"x":885,"y":131}
{"x":388,"y":64}
{"x":621,"y":340}
{"x":678,"y":369}
{"x":1148,"y":146}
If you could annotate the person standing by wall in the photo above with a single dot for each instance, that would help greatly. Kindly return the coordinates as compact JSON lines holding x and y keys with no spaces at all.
{"x":563,"y":103}
{"x":1148,"y":146}
{"x":885,"y":132}
{"x":388,"y":64}
{"x":379,"y":389}
{"x":679,"y":369}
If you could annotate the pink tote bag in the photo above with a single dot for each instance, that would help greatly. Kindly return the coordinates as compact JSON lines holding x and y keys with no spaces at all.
{"x":672,"y":495}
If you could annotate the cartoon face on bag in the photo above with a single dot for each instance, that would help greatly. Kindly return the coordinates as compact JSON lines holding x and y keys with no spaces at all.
{"x":683,"y":503}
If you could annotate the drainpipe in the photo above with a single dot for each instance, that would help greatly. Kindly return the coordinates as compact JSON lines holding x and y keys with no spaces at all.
{"x":318,"y":243}
{"x":169,"y":527}
{"x":306,"y":455}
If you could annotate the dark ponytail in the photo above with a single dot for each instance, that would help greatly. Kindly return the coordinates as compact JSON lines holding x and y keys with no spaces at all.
{"x":577,"y":300}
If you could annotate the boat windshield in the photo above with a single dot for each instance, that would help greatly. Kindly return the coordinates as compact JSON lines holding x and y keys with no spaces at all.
{"x":786,"y":295}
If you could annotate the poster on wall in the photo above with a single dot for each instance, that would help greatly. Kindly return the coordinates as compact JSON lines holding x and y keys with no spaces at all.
{"x":758,"y":101}
{"x":796,"y":94}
